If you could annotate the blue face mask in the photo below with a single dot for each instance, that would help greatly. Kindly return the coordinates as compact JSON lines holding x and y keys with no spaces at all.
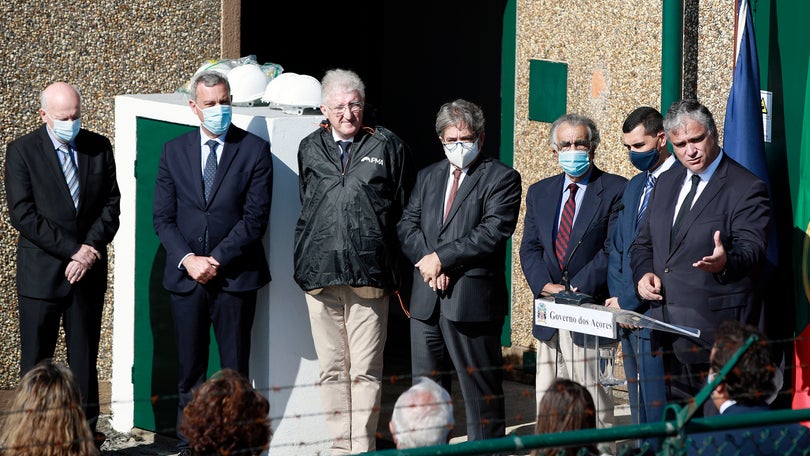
{"x":574,"y":162}
{"x":66,"y":130}
{"x":217,"y":118}
{"x":643,"y":161}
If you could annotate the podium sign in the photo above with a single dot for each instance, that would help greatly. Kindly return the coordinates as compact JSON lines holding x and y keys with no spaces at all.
{"x":585,"y":320}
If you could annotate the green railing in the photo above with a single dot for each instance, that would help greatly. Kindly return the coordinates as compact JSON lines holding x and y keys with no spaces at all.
{"x":672,"y":431}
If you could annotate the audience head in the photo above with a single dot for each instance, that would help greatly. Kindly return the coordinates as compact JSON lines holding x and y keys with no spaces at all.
{"x":566,"y":406}
{"x":46,"y":416}
{"x":423,"y":415}
{"x":227,"y":415}
{"x":751,"y":381}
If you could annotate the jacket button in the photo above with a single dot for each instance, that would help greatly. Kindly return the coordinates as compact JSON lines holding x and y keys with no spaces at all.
{"x":199,"y":239}
{"x":439,"y":240}
{"x":666,"y":270}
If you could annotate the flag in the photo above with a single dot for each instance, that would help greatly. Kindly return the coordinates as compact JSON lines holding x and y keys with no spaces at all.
{"x":743,"y":137}
{"x":801,"y":224}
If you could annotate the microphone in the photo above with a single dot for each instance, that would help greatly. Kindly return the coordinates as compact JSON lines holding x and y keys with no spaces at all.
{"x":575,"y":297}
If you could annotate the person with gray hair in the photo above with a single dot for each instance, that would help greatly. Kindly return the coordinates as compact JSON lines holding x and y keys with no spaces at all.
{"x":211,"y":210}
{"x":422,"y":416}
{"x":568,"y":218}
{"x":354,"y":180}
{"x":454,"y":230}
{"x":698,"y":252}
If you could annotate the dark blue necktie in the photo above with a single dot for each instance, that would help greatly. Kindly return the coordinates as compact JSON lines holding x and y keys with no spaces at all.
{"x":343,"y":147}
{"x":210,"y":170}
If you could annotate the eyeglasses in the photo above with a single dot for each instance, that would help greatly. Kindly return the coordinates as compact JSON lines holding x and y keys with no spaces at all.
{"x":355,"y":107}
{"x":580,"y":144}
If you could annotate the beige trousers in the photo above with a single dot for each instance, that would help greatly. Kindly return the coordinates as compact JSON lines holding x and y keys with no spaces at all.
{"x":349,"y":334}
{"x":559,"y":357}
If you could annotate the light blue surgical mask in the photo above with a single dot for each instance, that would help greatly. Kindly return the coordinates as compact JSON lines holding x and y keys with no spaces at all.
{"x":644,"y":161}
{"x":66,"y":130}
{"x":217,"y":118}
{"x":574,"y":162}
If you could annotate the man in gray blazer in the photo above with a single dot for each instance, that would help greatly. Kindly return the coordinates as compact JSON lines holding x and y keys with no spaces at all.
{"x":454,"y":229}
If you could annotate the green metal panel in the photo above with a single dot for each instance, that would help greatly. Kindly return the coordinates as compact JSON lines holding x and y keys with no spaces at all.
{"x":154,"y":374}
{"x":508,"y":52}
{"x":548,"y":85}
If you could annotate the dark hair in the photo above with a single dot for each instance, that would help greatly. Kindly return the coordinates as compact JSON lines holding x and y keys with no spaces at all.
{"x":652,"y":120}
{"x":566,"y":406}
{"x":227,"y":415}
{"x":751,"y":380}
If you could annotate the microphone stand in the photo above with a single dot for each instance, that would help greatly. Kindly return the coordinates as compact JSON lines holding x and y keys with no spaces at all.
{"x":576,"y":298}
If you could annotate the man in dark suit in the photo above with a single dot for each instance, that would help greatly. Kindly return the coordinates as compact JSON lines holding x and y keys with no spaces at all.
{"x":698,"y":266}
{"x":746,"y":389}
{"x":643,"y":136}
{"x":454,"y":230}
{"x":573,"y":208}
{"x":211,"y":210}
{"x":63,"y":198}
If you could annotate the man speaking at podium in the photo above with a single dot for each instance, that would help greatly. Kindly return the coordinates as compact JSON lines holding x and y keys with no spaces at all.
{"x":698,"y":251}
{"x":565,"y":235}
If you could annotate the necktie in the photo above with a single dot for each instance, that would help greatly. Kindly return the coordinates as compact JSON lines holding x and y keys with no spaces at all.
{"x":210,"y":170}
{"x":566,"y":222}
{"x":453,"y":191}
{"x":343,"y":147}
{"x":685,"y":206}
{"x":648,"y":187}
{"x":69,"y":169}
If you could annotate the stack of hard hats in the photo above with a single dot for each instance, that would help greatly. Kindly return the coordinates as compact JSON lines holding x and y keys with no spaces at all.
{"x":292,"y":93}
{"x":248,"y":83}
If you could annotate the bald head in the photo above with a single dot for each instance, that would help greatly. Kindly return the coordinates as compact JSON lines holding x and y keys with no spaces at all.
{"x":61,"y":102}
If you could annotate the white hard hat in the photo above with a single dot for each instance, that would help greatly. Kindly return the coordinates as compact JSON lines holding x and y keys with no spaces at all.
{"x":248,"y":82}
{"x":293,"y":92}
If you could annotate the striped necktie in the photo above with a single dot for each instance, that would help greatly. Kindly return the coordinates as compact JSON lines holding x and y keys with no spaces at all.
{"x":648,"y":187}
{"x":566,"y":223}
{"x":70,"y":172}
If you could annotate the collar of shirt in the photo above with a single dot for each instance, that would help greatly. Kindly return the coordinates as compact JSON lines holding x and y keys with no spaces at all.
{"x":56,"y":143}
{"x":725,"y":405}
{"x":336,"y":138}
{"x":707,"y":174}
{"x":664,"y":166}
{"x":582,"y":184}
{"x":204,"y":147}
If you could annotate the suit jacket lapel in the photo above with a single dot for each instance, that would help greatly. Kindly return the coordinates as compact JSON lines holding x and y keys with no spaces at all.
{"x":590,"y":203}
{"x":229,"y":151}
{"x":716,"y":183}
{"x":635,"y":190}
{"x":548,"y":207}
{"x":52,"y":162}
{"x":82,"y":163}
{"x":474,"y":173}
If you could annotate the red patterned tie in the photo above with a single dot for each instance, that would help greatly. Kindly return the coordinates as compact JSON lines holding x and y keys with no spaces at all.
{"x":453,"y":191}
{"x":566,"y":222}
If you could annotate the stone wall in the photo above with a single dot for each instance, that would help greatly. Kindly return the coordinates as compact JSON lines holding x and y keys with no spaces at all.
{"x":613,"y":52}
{"x":106,"y":48}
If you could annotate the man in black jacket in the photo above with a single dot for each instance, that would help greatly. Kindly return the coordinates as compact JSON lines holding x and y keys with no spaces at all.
{"x":353,"y":182}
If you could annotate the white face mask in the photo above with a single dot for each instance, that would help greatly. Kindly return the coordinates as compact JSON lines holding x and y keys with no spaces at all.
{"x":65,"y":130}
{"x":461,"y":154}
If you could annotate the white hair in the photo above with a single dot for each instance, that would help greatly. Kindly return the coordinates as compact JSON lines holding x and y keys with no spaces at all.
{"x":423,"y":415}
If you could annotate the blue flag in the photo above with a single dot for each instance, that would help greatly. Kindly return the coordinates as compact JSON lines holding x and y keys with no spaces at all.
{"x":743,"y":137}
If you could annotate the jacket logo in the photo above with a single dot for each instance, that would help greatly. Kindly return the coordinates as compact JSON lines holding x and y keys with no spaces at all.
{"x":374,"y":160}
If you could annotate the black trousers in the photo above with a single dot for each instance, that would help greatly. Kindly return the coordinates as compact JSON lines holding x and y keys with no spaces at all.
{"x":80,"y":313}
{"x":231,"y":315}
{"x":473,"y":351}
